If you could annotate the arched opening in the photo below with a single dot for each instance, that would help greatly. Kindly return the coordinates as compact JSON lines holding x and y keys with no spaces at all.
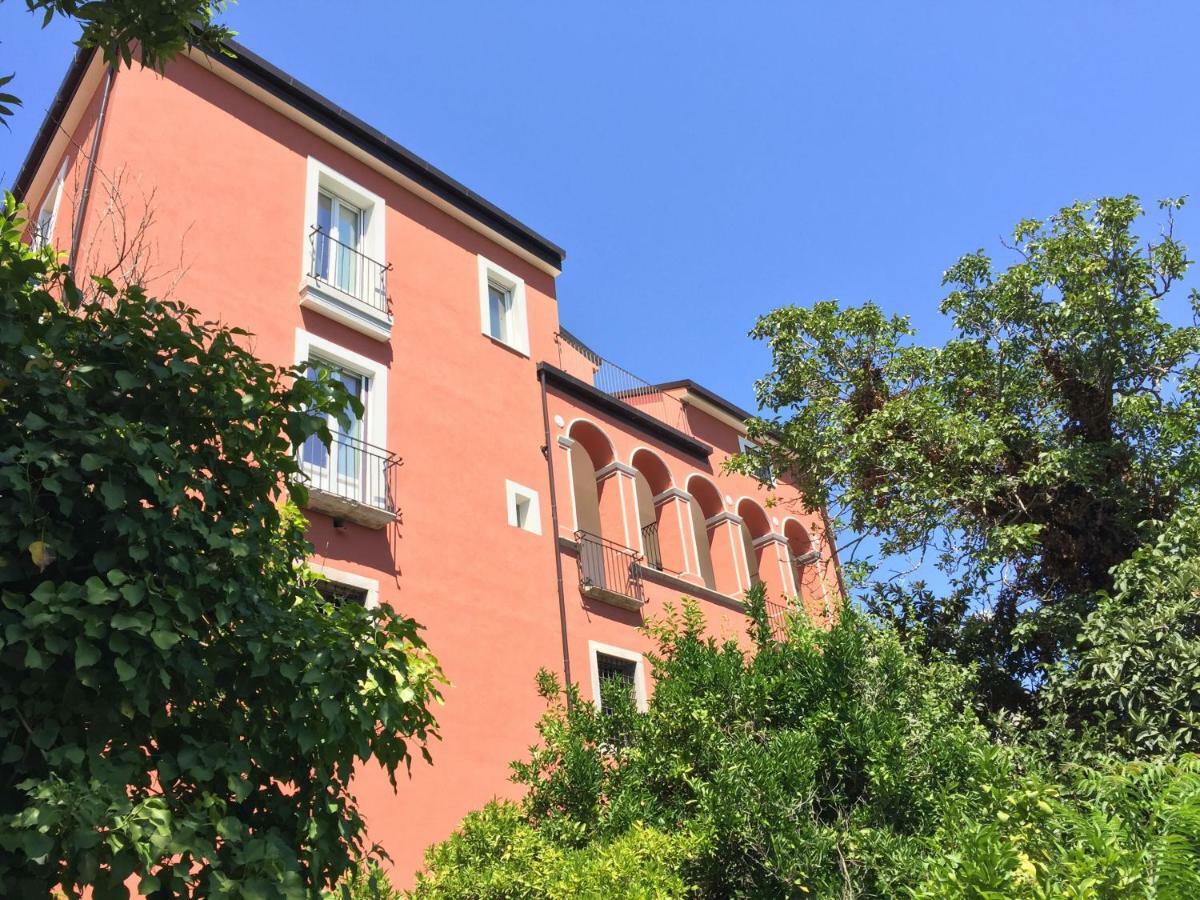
{"x":706,"y":503}
{"x":803,"y":560}
{"x":755,"y":525}
{"x":651,"y":478}
{"x":601,"y":529}
{"x":591,"y":452}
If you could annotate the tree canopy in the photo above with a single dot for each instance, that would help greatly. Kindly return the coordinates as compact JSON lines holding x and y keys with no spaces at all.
{"x":1027,"y":453}
{"x":177,"y":701}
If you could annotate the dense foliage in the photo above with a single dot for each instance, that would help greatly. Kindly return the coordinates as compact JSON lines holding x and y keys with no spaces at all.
{"x":831,"y":764}
{"x":176,"y":701}
{"x":1027,"y":453}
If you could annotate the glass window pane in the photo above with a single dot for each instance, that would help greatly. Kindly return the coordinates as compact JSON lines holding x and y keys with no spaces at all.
{"x":498,"y":308}
{"x":321,"y":258}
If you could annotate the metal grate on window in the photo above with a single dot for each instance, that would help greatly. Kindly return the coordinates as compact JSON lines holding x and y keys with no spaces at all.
{"x":337,"y":593}
{"x":614,"y":671}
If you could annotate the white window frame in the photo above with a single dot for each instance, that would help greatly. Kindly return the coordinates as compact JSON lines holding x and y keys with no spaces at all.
{"x":370,"y":585}
{"x":490,"y":273}
{"x":639,"y":672}
{"x":745,"y":445}
{"x":310,"y":346}
{"x":513,"y":492}
{"x":42,"y":235}
{"x":352,"y":311}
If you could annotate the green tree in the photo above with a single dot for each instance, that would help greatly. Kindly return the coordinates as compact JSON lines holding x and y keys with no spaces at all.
{"x":156,"y":30}
{"x":1132,"y":683}
{"x":177,"y":702}
{"x":1025,"y":455}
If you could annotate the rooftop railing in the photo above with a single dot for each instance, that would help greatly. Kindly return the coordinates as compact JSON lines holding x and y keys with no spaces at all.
{"x":622,"y":384}
{"x":348,"y":270}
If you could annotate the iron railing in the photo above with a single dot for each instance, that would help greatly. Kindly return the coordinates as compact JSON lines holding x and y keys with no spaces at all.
{"x":352,"y":470}
{"x":622,"y":384}
{"x":777,"y":619}
{"x":351,"y":272}
{"x":608,"y":566}
{"x":651,"y":546}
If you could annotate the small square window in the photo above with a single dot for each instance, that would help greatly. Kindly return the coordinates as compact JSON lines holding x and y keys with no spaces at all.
{"x":763,"y":473}
{"x":523,"y":508}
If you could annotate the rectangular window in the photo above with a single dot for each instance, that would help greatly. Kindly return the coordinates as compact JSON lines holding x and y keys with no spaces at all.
{"x":615,"y":669}
{"x":615,"y":674}
{"x":337,"y":593}
{"x":763,"y":473}
{"x":43,"y":229}
{"x":502,"y":314}
{"x":346,"y":446}
{"x":338,"y":243}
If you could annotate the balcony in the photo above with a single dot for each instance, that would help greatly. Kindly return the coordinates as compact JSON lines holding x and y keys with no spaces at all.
{"x":346,"y":285}
{"x":350,"y":479}
{"x":609,"y":572}
{"x":577,"y":359}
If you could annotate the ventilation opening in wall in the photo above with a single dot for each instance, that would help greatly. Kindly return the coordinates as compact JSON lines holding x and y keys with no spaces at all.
{"x":338,"y":593}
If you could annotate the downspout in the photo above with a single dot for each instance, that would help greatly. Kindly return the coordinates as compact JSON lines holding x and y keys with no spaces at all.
{"x":89,"y":175}
{"x":548,"y":452}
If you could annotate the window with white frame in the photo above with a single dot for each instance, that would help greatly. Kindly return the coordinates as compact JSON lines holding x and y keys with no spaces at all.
{"x":502,"y":306}
{"x":763,"y":473}
{"x":616,"y":669}
{"x":353,"y":465}
{"x":339,"y":587}
{"x":345,"y":247}
{"x":43,"y":230}
{"x":523,"y":509}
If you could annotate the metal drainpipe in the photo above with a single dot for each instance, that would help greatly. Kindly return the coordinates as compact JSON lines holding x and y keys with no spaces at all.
{"x":548,"y":452}
{"x":77,"y":231}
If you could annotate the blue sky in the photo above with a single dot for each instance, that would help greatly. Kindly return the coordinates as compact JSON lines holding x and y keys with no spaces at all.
{"x":703,"y":163}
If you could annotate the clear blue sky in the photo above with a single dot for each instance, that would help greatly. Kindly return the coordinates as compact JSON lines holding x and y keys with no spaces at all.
{"x":705,"y":162}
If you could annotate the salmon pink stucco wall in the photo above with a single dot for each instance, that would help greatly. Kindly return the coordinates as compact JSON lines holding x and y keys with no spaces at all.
{"x":227,"y":178}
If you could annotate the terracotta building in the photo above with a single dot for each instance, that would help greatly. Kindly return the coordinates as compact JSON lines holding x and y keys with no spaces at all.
{"x":529,"y":502}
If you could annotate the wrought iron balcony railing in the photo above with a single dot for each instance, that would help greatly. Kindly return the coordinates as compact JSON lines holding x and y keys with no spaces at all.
{"x":353,"y":273}
{"x":622,"y":384}
{"x":608,"y":571}
{"x":651,"y":546}
{"x":351,"y":478}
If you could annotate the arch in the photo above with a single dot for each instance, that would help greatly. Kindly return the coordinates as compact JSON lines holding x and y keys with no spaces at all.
{"x":705,"y":503}
{"x":592,"y":438}
{"x":805,"y":574}
{"x":591,"y":452}
{"x":651,"y":478}
{"x":756,"y":524}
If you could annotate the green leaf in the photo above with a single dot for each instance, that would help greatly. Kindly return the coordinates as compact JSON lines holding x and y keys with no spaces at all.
{"x":164,"y":640}
{"x":125,"y":671}
{"x":85,"y":654}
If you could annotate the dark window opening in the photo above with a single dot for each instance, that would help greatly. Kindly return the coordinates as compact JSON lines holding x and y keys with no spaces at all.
{"x":615,"y":674}
{"x":337,"y":593}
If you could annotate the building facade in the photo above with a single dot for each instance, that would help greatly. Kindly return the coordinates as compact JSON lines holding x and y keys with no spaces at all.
{"x":526,"y":500}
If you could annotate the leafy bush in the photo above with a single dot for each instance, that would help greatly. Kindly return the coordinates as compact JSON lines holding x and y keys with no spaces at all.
{"x":176,"y":701}
{"x":1132,"y":686}
{"x":814,"y":765}
{"x":1127,"y":830}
